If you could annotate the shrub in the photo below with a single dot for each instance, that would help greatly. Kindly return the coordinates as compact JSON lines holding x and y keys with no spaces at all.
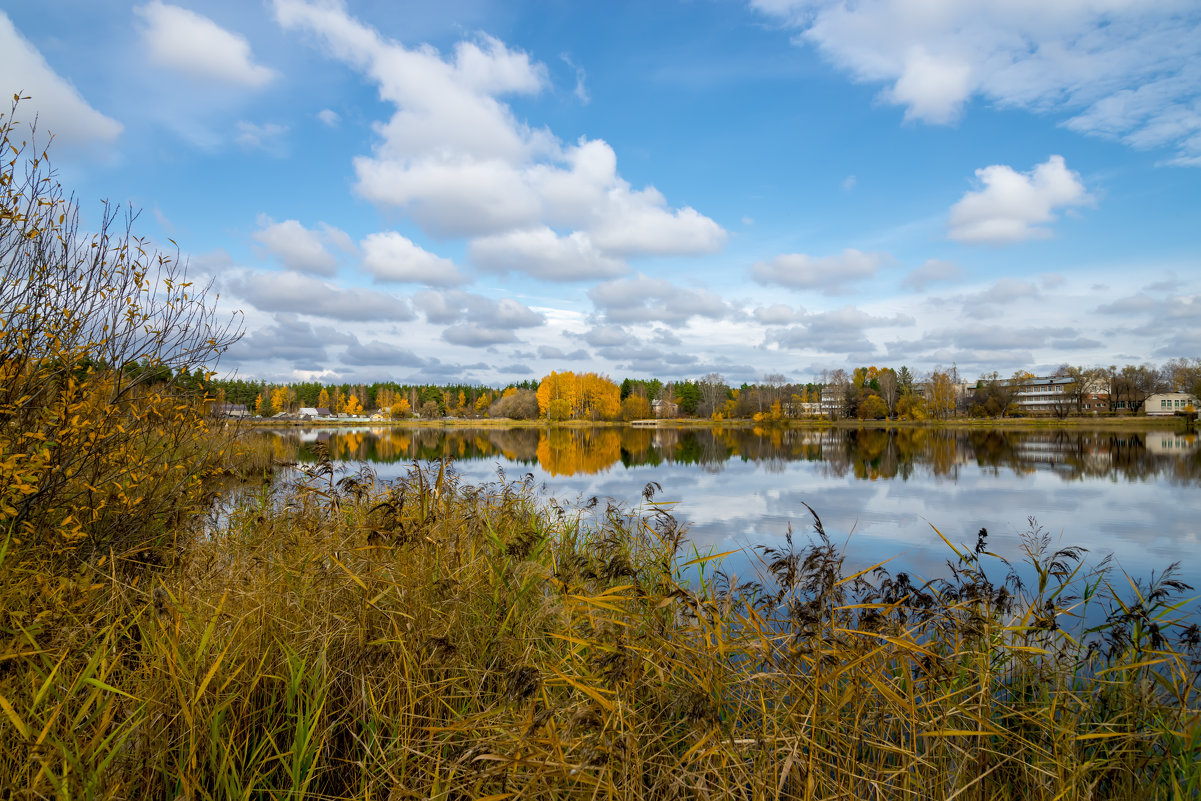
{"x":519,"y":405}
{"x":104,"y":351}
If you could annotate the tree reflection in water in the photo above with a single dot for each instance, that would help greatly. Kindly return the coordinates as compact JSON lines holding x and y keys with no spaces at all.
{"x":866,"y":454}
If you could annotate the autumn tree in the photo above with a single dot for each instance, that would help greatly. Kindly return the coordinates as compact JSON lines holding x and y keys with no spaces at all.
{"x":102,"y":339}
{"x":635,"y":407}
{"x":281,"y":400}
{"x":1134,"y":384}
{"x":993,"y":396}
{"x":889,"y":388}
{"x":516,"y":404}
{"x":1182,"y":375}
{"x":558,"y":387}
{"x":872,"y":407}
{"x":586,"y":396}
{"x":714,"y":392}
{"x":940,"y":395}
{"x":838,"y":395}
{"x":400,"y":409}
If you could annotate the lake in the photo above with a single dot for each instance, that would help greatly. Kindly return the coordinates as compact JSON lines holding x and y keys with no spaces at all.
{"x":1135,"y":495}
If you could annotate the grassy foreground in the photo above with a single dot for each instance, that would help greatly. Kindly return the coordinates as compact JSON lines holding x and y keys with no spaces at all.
{"x":341,"y":637}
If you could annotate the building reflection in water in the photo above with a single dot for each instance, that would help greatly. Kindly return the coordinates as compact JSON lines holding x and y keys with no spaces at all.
{"x":867,"y":454}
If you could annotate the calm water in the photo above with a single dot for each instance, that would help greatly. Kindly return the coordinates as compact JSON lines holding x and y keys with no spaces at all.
{"x":1137,"y":496}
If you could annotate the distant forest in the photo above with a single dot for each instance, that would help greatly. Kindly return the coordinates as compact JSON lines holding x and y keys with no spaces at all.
{"x":864,"y":392}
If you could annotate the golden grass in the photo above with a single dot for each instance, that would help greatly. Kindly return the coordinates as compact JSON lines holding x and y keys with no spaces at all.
{"x":343,"y":637}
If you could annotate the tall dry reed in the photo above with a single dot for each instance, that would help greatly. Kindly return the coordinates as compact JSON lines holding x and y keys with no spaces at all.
{"x":339,"y":636}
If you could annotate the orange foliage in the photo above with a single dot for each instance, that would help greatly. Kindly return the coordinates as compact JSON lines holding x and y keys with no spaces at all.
{"x":587,"y":396}
{"x":566,"y":452}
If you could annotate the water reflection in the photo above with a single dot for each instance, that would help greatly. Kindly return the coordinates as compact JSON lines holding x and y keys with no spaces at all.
{"x":866,"y":454}
{"x":1130,"y":494}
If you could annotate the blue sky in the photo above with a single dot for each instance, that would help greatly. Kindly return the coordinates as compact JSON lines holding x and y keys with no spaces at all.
{"x":485,"y":191}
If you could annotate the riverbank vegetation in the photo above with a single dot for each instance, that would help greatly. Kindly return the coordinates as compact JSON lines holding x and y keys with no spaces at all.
{"x":186,"y":614}
{"x":343,"y":637}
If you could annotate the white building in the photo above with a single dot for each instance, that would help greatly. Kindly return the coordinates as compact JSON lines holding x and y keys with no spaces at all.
{"x":1168,"y":403}
{"x":1043,"y":395}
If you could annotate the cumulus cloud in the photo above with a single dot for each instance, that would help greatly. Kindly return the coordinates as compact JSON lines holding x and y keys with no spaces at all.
{"x":650,"y":361}
{"x":455,"y":157}
{"x":778,"y":314}
{"x":999,"y":298}
{"x":1141,"y":302}
{"x":608,"y":336}
{"x":981,"y":337}
{"x":828,"y":274}
{"x":291,"y":339}
{"x":551,"y":352}
{"x":391,"y":257}
{"x":643,"y":300}
{"x":1172,"y":324}
{"x":838,"y":331}
{"x":1076,"y":343}
{"x":933,"y":271}
{"x":299,"y":248}
{"x":473,"y":335}
{"x":1123,"y":70}
{"x":665,"y":336}
{"x":60,"y":108}
{"x":476,"y":315}
{"x":329,"y":117}
{"x":193,"y":44}
{"x":377,"y":353}
{"x":542,"y":253}
{"x":1013,"y":206}
{"x":303,"y":294}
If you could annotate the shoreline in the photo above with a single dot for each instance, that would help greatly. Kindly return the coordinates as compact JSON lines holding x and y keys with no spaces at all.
{"x":1131,"y":424}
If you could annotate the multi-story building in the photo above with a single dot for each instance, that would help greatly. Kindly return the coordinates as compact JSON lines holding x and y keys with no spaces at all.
{"x":1046,"y":395}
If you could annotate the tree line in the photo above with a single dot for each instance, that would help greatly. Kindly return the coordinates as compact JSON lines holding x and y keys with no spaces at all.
{"x":865,"y":392}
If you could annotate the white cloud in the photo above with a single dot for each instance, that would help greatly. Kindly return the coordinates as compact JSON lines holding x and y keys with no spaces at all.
{"x":391,"y":257}
{"x":542,"y":253}
{"x":59,"y":107}
{"x":292,"y":292}
{"x":196,"y":46}
{"x":299,"y":248}
{"x":455,"y":157}
{"x":289,"y":339}
{"x":778,"y":314}
{"x":1129,"y":70}
{"x":580,"y":91}
{"x":642,"y":300}
{"x":837,"y":331}
{"x":639,"y":222}
{"x":608,"y":336}
{"x":931,"y":272}
{"x":329,"y":117}
{"x":456,"y":306}
{"x":1012,"y":206}
{"x":268,"y":136}
{"x":472,"y":335}
{"x":830,"y":274}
